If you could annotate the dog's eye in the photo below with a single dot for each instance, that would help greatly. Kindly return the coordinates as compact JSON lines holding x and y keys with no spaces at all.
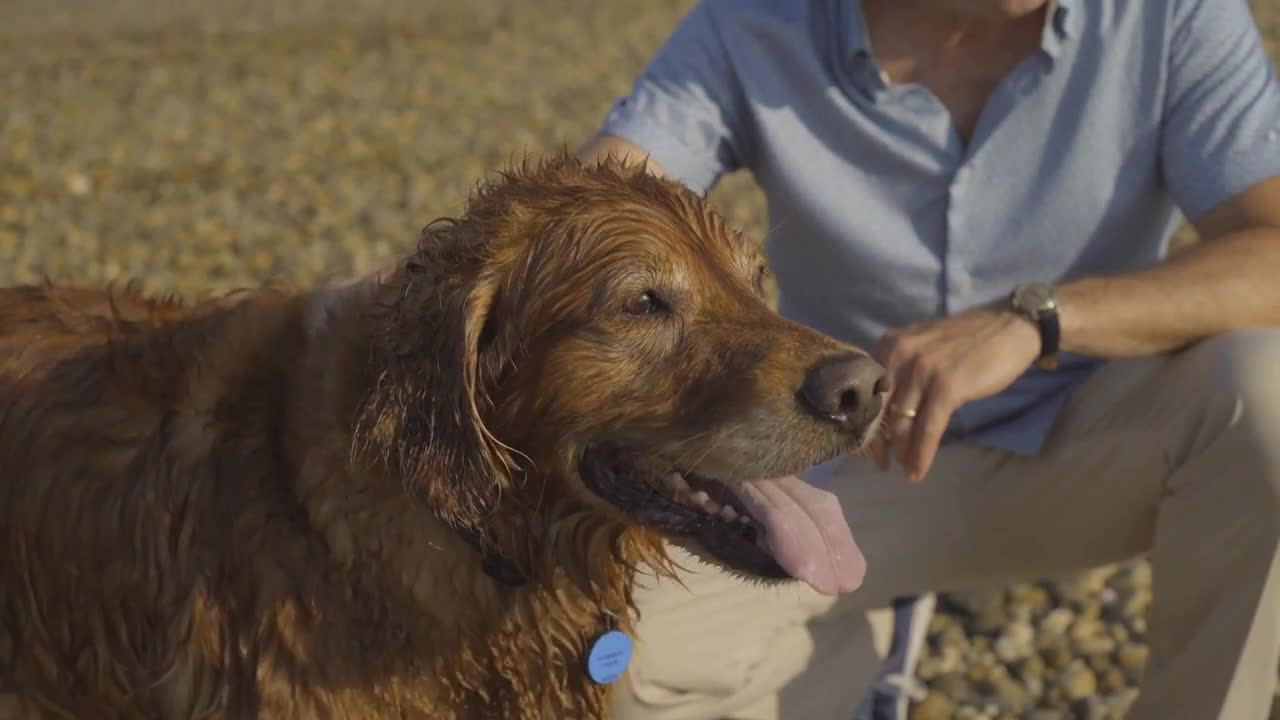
{"x":762,"y":275}
{"x":645,"y":303}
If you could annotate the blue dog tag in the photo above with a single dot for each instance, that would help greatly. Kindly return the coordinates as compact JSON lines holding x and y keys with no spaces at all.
{"x":608,"y":657}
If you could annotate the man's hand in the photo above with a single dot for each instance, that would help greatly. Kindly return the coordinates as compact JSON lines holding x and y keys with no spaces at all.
{"x":938,"y":366}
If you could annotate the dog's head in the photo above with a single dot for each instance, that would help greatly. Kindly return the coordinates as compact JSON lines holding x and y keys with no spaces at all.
{"x":597,"y":342}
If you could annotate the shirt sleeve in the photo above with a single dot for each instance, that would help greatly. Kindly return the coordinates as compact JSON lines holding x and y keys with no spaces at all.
{"x":685,"y":108}
{"x":1221,"y":129}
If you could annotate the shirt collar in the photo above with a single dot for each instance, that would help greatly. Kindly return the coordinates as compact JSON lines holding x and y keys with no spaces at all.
{"x":855,"y":46}
{"x":1063,"y":24}
{"x":854,"y":26}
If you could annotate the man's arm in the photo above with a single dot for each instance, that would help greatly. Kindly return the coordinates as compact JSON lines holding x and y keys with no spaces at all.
{"x":1220,"y":157}
{"x":685,"y":112}
{"x":1231,"y":280}
{"x":603,"y":146}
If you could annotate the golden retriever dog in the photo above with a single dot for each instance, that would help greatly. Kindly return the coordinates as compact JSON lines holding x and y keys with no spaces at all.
{"x":424,"y":493}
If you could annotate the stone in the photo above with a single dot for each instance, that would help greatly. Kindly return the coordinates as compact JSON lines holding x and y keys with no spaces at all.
{"x":1090,"y":708}
{"x":1099,"y":644}
{"x":980,"y":671}
{"x":1034,"y":687}
{"x":952,"y":635}
{"x":1057,"y":653}
{"x":1056,"y":623}
{"x":1119,"y":702}
{"x":969,"y":712}
{"x":934,"y":706}
{"x":1011,"y":697}
{"x":1033,"y":597}
{"x":79,"y":184}
{"x":1098,"y":663}
{"x":985,"y":608}
{"x":954,"y":685}
{"x":1138,"y":626}
{"x":943,"y":661}
{"x":1053,"y":697}
{"x":1077,"y":681}
{"x":1084,"y":587}
{"x":1137,"y":604}
{"x":1131,"y":577}
{"x":1031,"y":673}
{"x":1032,"y":667}
{"x":940,"y":622}
{"x":1112,"y":679}
{"x":1016,"y":642}
{"x":1132,"y":658}
{"x":1089,"y":636}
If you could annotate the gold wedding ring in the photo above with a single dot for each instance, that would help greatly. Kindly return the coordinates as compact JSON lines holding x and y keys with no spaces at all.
{"x":908,"y":414}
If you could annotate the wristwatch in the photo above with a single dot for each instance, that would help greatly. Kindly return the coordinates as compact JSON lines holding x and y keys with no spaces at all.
{"x":1039,"y":302}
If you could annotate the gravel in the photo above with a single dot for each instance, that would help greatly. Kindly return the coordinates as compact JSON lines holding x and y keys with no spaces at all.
{"x":201,"y":147}
{"x":1074,"y":648}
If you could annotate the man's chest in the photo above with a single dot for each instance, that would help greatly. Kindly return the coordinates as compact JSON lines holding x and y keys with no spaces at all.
{"x":947,"y":184}
{"x":960,"y":72}
{"x":962,"y":92}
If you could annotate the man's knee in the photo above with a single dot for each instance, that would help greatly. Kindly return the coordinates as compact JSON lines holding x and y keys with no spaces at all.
{"x":1237,"y":375}
{"x":1243,"y":374}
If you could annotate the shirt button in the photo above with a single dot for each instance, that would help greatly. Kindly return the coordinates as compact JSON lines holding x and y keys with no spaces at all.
{"x":919,"y":101}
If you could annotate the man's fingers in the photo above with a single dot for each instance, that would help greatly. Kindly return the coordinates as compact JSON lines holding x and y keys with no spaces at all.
{"x":904,"y":408}
{"x":882,"y":350}
{"x":926,"y":436}
{"x":880,"y":451}
{"x":901,"y":424}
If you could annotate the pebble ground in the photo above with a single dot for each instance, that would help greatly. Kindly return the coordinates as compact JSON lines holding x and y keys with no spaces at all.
{"x":202,"y":146}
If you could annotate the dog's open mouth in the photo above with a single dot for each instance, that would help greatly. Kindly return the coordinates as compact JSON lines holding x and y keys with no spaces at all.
{"x":767,"y":529}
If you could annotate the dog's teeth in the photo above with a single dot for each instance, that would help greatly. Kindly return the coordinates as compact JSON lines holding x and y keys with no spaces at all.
{"x":711,"y":507}
{"x":728,"y":514}
{"x":699,"y":498}
{"x":744,"y":519}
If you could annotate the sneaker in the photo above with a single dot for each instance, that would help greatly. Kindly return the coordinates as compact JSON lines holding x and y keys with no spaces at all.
{"x":896,"y":687}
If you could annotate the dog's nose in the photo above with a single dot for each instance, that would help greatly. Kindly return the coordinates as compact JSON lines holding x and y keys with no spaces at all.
{"x":846,"y":389}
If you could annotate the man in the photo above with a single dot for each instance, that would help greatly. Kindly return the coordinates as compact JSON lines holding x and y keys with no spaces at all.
{"x":982,"y":192}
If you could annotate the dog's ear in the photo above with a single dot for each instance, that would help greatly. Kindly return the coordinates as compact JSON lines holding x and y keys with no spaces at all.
{"x":426,"y":413}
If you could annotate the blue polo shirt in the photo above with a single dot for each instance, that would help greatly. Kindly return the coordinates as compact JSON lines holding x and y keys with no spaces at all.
{"x":1130,"y":114}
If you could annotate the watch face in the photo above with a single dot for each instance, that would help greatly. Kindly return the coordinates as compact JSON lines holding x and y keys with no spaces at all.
{"x":1036,"y":297}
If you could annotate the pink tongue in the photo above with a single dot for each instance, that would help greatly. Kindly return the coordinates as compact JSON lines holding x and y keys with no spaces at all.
{"x":807,"y":532}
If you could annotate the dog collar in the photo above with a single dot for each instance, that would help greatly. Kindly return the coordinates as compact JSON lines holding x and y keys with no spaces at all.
{"x":608,"y":653}
{"x":493,"y":563}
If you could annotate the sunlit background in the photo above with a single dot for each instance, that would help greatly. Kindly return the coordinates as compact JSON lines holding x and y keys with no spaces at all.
{"x":199,"y":146}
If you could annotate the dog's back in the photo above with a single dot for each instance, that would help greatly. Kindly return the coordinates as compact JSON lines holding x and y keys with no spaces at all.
{"x":40,"y":324}
{"x":112,"y":461}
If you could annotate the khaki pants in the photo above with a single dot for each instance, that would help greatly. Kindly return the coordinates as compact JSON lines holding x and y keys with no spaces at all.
{"x":1178,"y":456}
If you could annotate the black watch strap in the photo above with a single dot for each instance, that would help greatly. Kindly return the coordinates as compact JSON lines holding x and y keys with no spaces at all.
{"x":1050,"y":334}
{"x":1038,"y":302}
